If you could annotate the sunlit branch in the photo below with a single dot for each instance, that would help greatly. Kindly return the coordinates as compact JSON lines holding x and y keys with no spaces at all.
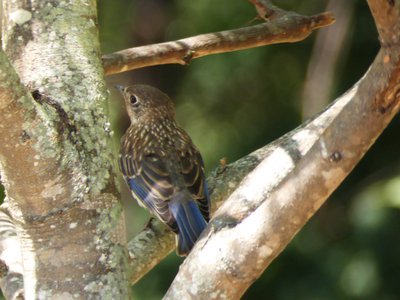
{"x":284,"y":28}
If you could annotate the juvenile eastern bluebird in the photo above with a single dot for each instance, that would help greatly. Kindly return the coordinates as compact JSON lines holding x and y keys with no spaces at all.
{"x":162,"y":167}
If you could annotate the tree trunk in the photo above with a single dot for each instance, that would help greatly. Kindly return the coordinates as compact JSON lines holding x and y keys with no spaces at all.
{"x":56,"y":153}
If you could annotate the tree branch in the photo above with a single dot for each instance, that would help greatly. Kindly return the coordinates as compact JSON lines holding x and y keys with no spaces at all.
{"x":285,"y":27}
{"x":386,"y":16}
{"x":275,"y":200}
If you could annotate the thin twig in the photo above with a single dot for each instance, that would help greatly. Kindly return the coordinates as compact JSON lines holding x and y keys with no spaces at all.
{"x":285,"y":28}
{"x":264,"y":8}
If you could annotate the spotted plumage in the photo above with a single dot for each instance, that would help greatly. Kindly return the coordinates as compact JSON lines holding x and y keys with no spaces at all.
{"x":162,"y":167}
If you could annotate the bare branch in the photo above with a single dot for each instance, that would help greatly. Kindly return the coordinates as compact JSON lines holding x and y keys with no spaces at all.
{"x":148,"y":248}
{"x":386,"y":16}
{"x":285,"y":28}
{"x":265,"y":9}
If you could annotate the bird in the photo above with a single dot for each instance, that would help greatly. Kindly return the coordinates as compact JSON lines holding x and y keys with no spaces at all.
{"x":162,"y":167}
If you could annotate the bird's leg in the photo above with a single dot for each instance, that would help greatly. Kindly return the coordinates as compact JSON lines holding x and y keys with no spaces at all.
{"x":149,"y":223}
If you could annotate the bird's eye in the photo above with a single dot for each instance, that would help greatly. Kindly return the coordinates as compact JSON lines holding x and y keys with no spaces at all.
{"x":133,"y":100}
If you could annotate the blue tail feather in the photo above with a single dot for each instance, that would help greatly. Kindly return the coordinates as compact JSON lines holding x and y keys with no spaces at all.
{"x":191,"y":223}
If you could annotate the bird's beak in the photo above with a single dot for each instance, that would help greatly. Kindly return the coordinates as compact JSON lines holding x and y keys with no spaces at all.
{"x":119,"y":87}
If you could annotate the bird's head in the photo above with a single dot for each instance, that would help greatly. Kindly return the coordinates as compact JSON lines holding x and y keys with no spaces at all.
{"x":146,"y":102}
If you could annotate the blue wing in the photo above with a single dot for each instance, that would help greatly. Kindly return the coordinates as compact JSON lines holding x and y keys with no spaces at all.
{"x":151,"y":185}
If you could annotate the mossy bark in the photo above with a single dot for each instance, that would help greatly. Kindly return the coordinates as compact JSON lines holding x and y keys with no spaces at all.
{"x":56,"y":154}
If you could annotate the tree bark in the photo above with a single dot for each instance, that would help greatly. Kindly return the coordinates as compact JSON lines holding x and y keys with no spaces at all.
{"x":56,"y":152}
